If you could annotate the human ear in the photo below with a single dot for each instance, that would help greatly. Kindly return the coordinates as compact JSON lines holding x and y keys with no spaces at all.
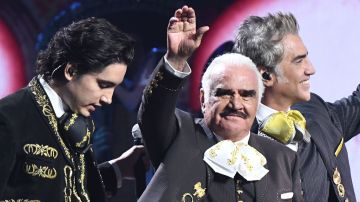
{"x":69,"y":72}
{"x":267,"y":77}
{"x":202,"y":100}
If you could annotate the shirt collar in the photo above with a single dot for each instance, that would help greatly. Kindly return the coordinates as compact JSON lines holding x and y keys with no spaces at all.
{"x":245,"y":140}
{"x":264,"y":111}
{"x":55,"y":100}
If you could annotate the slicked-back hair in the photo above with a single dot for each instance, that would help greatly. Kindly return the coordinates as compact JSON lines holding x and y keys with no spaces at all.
{"x":259,"y":38}
{"x":89,"y":45}
{"x":228,"y":60}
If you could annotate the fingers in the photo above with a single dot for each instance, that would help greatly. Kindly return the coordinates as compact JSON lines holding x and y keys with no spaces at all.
{"x":183,"y":19}
{"x":182,"y":36}
{"x":172,"y":22}
{"x":138,"y":150}
{"x":200,"y":33}
{"x":185,"y":14}
{"x":190,"y":13}
{"x":178,"y":13}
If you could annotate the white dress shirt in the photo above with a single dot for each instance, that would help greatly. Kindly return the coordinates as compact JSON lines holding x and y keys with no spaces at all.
{"x":55,"y":100}
{"x":262,"y":113}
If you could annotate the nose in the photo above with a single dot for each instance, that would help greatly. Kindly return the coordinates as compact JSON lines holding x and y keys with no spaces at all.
{"x":236,"y":102}
{"x":107,"y":97}
{"x":310,"y":69}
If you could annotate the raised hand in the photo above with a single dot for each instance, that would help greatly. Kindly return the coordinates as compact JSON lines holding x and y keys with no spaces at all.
{"x":183,"y":37}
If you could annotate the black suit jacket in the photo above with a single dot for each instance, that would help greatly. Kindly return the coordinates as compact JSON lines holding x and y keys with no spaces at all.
{"x":176,"y":144}
{"x":36,"y":163}
{"x":330,"y":126}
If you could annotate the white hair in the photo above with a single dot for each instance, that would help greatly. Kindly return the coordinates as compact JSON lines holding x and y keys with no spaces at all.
{"x":229,"y":60}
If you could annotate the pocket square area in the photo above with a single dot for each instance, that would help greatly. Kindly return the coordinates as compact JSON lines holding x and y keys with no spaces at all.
{"x":287,"y":195}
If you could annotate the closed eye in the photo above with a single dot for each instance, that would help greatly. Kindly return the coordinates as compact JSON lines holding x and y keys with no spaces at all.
{"x":298,"y":61}
{"x":299,"y":58}
{"x":105,"y":84}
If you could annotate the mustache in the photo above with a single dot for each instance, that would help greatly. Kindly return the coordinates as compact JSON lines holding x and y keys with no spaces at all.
{"x":234,"y":112}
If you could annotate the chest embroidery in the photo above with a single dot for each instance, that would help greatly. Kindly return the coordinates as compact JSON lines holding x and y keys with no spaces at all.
{"x":40,"y":171}
{"x":199,"y":193}
{"x":40,"y":150}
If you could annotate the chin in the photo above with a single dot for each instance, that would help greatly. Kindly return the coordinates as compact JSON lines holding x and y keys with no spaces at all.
{"x":303,"y":97}
{"x":229,"y":132}
{"x":84,"y":112}
{"x":307,"y":97}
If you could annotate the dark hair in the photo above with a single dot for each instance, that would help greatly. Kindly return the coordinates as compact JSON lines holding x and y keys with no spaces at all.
{"x":89,"y":45}
{"x":260,"y":38}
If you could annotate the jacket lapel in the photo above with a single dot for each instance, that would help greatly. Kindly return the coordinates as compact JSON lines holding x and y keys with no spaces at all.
{"x":47,"y":112}
{"x":255,"y":127}
{"x":322,"y":145}
{"x":206,"y":138}
{"x":220,"y":187}
{"x":260,"y":185}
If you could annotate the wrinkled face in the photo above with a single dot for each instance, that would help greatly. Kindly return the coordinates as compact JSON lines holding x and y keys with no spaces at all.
{"x":232,"y":104}
{"x":85,"y":92}
{"x":292,"y":85}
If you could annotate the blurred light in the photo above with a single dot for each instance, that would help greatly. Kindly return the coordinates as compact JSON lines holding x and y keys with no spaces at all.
{"x":157,"y":50}
{"x":12,"y":75}
{"x":75,"y":5}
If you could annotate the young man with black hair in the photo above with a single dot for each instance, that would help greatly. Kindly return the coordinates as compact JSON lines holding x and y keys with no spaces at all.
{"x":45,"y":128}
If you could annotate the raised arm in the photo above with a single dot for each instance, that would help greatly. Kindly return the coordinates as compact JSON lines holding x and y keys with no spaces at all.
{"x":346,"y":112}
{"x":156,"y":114}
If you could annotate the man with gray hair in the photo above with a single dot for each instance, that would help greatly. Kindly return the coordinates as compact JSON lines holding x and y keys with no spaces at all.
{"x":274,"y":45}
{"x":216,"y":158}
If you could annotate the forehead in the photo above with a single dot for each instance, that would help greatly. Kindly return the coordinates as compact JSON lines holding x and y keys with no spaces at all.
{"x":293,"y":46}
{"x":113,"y":73}
{"x":232,"y":77}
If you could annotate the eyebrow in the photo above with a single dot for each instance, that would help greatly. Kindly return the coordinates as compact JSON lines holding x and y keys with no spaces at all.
{"x":243,"y":93}
{"x":247,"y":93}
{"x":223,"y":91}
{"x":300,"y":57}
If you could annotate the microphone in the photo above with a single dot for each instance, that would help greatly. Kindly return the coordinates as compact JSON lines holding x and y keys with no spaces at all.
{"x":137,"y":136}
{"x":140,"y":170}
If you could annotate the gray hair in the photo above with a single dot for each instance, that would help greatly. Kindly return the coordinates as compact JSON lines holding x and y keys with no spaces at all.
{"x":260,"y":38}
{"x":231,"y":60}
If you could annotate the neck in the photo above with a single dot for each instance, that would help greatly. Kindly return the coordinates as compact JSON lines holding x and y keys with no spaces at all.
{"x":275,"y":101}
{"x":234,"y":138}
{"x":57,"y":87}
{"x":60,"y":90}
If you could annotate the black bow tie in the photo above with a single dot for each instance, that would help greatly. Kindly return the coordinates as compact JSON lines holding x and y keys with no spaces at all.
{"x":78,"y":130}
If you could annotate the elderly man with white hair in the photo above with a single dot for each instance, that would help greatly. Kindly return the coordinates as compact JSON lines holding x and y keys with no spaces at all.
{"x":215,"y":158}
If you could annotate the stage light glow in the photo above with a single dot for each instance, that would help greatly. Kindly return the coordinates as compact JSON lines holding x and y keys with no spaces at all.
{"x":12,"y":76}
